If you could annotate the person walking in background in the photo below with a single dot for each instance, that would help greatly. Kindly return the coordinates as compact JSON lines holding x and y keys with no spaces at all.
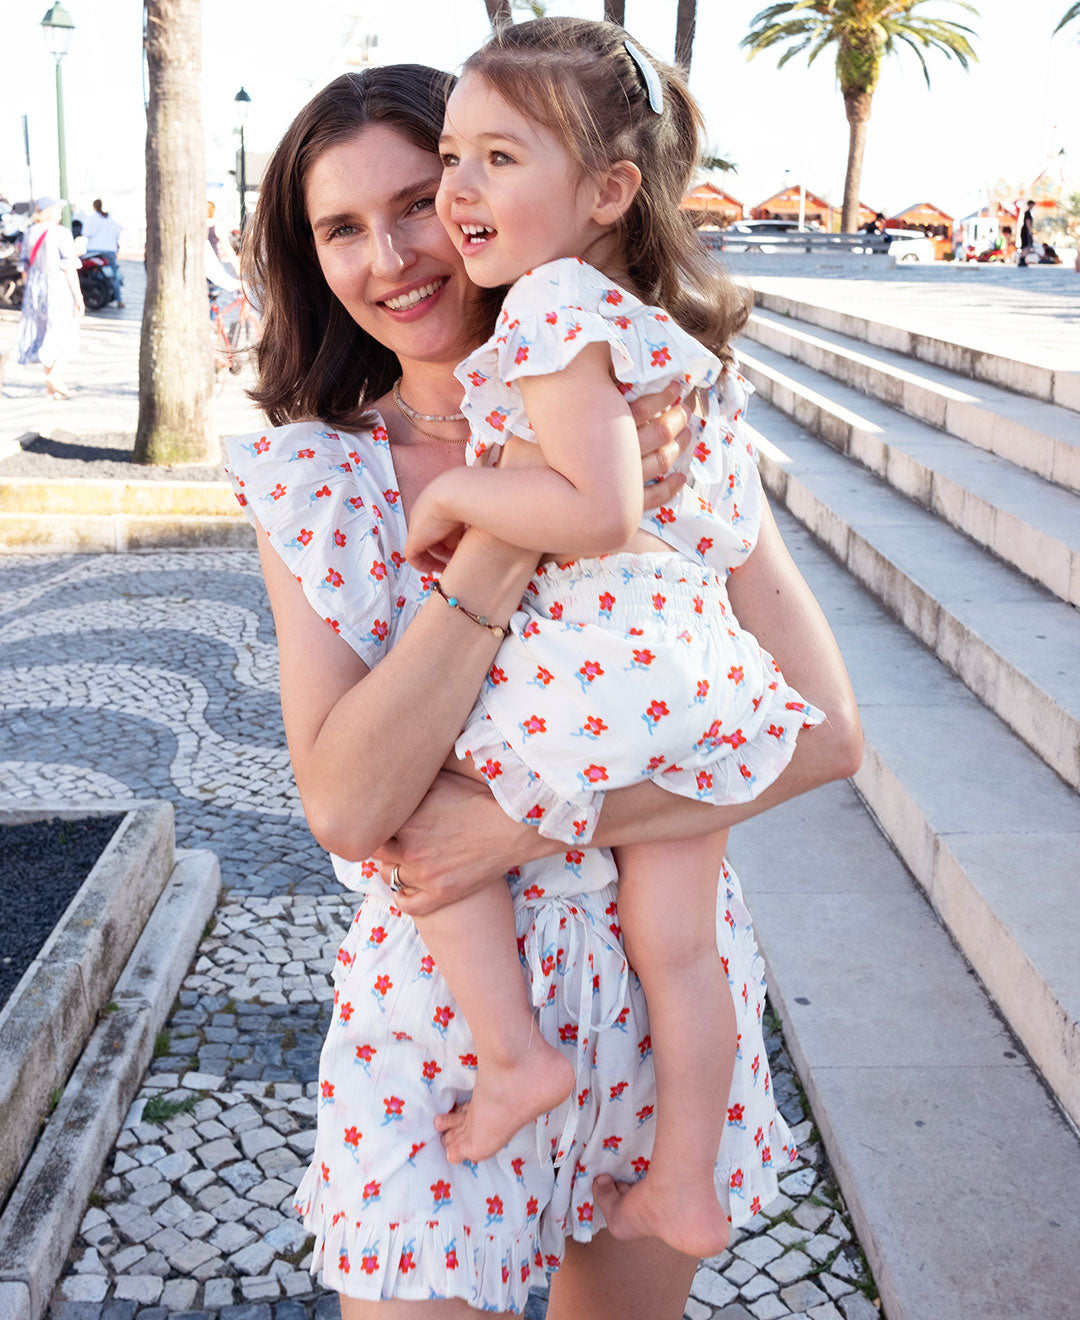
{"x":1027,"y":234}
{"x":102,"y":235}
{"x":53,"y":301}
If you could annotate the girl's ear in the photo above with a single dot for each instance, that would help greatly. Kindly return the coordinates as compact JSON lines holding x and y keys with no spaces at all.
{"x":615,"y":192}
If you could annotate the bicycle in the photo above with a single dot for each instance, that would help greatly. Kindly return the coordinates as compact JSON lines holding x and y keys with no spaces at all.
{"x":234,"y":332}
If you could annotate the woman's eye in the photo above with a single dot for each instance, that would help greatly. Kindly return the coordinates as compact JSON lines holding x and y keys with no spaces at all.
{"x":340,"y":231}
{"x":423,"y":204}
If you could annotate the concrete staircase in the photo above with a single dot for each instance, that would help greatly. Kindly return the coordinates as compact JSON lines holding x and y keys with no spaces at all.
{"x":936,"y":517}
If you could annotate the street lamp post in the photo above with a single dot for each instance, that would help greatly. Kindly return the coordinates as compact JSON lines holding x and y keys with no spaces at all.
{"x":58,"y":27}
{"x":243,"y":104}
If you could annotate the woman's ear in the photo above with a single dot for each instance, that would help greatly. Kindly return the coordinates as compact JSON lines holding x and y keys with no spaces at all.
{"x":615,"y":192}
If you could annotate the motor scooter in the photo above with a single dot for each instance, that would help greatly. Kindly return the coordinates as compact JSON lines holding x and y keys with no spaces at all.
{"x":96,"y":279}
{"x":11,"y":276}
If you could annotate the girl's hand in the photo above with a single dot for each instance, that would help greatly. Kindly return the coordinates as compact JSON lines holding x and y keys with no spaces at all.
{"x":456,"y":841}
{"x":432,"y":535}
{"x":663,"y":433}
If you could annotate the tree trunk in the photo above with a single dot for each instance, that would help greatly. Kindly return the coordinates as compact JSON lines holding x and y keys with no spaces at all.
{"x":615,"y":12}
{"x":685,"y":24}
{"x":175,"y":368}
{"x":857,"y":108}
{"x":498,"y":12}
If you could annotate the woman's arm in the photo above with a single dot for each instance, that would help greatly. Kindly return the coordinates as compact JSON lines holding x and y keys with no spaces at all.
{"x":588,"y":495}
{"x":459,"y":838}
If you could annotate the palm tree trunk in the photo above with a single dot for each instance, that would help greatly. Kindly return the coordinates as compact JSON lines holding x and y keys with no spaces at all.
{"x":615,"y":12}
{"x":857,"y":108}
{"x":174,"y":351}
{"x":498,"y":11}
{"x":685,"y":24}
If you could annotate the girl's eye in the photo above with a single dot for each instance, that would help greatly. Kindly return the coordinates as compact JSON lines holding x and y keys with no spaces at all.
{"x":448,"y":159}
{"x":501,"y":158}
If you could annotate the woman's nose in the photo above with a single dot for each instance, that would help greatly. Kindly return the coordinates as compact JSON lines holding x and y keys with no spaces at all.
{"x":389,"y":254}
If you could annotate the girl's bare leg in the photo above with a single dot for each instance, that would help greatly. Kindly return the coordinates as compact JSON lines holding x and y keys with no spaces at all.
{"x":352,"y":1308}
{"x":667,"y":910}
{"x":606,"y":1279}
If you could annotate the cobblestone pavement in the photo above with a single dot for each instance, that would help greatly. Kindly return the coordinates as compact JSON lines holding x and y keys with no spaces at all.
{"x":155,"y":675}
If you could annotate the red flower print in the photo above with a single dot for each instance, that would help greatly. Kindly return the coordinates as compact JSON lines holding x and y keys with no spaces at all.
{"x":406,"y":1263}
{"x":623,"y":322}
{"x":612,"y":1143}
{"x":476,"y":378}
{"x":518,"y":1165}
{"x":383,"y":984}
{"x":262,"y":445}
{"x":440,"y":1190}
{"x":333,"y":624}
{"x":701,"y":451}
{"x":699,"y":605}
{"x":591,"y":670}
{"x":377,"y":570}
{"x":334,"y":577}
{"x":755,"y":1205}
{"x":735,"y":1114}
{"x":442,"y":1015}
{"x":417,"y":1147}
{"x":704,"y":545}
{"x":278,"y":491}
{"x":759,"y":1137}
{"x":394,"y":1106}
{"x":370,"y":1262}
{"x":324,"y":1169}
{"x":427,"y":964}
{"x":660,"y":356}
{"x":326,"y":1089}
{"x":595,"y":726}
{"x":568,"y":1033}
{"x":606,"y":601}
{"x":776,"y":730}
{"x":430,"y":1069}
{"x":640,"y":1165}
{"x":339,"y":538}
{"x":556,"y":609}
{"x":491,"y":769}
{"x":655,"y":762}
{"x":613,"y":296}
{"x":543,"y":675}
{"x":735,"y":673}
{"x":522,"y":355}
{"x":535,"y":812}
{"x":343,"y":1261}
{"x":663,"y":515}
{"x":345,"y":1012}
{"x":656,"y":710}
{"x":736,"y":1180}
{"x":766,"y":1155}
{"x":658,"y":602}
{"x":551,"y":318}
{"x":643,"y":657}
{"x":704,"y":780}
{"x":572,"y":333}
{"x":645,"y":1113}
{"x":584,"y":1213}
{"x":661,"y":316}
{"x":534,"y":724}
{"x":495,"y":1206}
{"x":305,"y":453}
{"x":451,"y":1258}
{"x":378,"y":934}
{"x":531,"y":1206}
{"x":575,"y":857}
{"x":496,"y":419}
{"x":322,"y":493}
{"x":371,"y":1190}
{"x":736,"y":739}
{"x":379,"y":630}
{"x":468,"y":1060}
{"x":645,"y":1046}
{"x":703,"y":687}
{"x":533,"y":892}
{"x":352,"y":1136}
{"x":496,"y":676}
{"x":365,"y":1053}
{"x":618,"y":1089}
{"x":595,"y":773}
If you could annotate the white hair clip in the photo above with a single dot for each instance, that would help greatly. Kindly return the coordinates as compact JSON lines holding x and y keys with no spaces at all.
{"x":652,"y":78}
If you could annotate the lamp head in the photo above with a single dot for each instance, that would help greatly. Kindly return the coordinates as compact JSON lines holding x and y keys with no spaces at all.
{"x":243,"y":105}
{"x":57,"y":27}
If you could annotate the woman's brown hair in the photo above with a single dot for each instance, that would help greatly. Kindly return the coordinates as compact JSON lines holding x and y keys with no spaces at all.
{"x":578,"y":79}
{"x":314,"y":361}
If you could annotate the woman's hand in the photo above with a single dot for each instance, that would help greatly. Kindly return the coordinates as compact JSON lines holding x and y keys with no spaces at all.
{"x":663,"y":433}
{"x":456,"y":841}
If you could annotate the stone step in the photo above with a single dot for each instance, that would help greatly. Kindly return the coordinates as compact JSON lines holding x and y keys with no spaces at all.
{"x":1039,"y":382}
{"x":1042,"y":437}
{"x":1013,"y":643}
{"x":942,"y":1134}
{"x":1025,"y":520}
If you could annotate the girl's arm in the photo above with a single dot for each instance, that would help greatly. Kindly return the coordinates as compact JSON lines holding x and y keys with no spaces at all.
{"x":459,"y":838}
{"x":588,"y":495}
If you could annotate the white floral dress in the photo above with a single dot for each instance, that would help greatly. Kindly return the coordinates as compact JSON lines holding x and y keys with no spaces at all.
{"x":391,"y":1217}
{"x":626,"y":667}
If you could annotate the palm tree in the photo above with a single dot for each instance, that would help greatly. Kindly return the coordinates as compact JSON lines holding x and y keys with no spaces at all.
{"x":174,"y":351}
{"x":1070,"y":16}
{"x":685,"y":25}
{"x":498,"y":12}
{"x":615,"y":12}
{"x":864,"y":31}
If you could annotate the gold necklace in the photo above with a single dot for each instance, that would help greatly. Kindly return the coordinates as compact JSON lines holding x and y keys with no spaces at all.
{"x":442,"y":439}
{"x":415,"y":416}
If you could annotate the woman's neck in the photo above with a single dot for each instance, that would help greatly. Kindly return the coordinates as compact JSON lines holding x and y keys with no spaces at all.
{"x":430,"y":387}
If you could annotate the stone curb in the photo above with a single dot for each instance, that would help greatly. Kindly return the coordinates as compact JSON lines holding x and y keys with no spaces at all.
{"x":42,"y":1217}
{"x":99,"y":497}
{"x":48,"y":533}
{"x":51,"y":1012}
{"x":1060,"y":387}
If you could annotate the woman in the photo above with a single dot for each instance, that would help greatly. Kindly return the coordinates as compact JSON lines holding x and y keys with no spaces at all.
{"x":366,"y":311}
{"x":52,"y":301}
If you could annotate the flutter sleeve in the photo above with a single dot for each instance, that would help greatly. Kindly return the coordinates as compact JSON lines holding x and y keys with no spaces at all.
{"x":316,"y":494}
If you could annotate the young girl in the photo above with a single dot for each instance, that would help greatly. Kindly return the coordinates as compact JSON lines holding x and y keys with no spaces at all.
{"x":566,"y":151}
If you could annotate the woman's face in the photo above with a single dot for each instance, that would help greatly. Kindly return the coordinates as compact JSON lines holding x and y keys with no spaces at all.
{"x":383,"y":251}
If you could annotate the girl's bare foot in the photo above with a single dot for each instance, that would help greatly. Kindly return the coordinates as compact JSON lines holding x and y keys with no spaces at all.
{"x":685,"y":1216}
{"x":505,"y":1098}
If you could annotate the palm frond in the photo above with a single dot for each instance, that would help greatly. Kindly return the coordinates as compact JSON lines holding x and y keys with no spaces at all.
{"x":1070,"y":16}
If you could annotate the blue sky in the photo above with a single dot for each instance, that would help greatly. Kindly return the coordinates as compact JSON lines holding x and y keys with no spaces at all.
{"x":945,"y":145}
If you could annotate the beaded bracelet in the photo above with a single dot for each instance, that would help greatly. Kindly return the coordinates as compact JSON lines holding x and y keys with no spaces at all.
{"x":495,"y":629}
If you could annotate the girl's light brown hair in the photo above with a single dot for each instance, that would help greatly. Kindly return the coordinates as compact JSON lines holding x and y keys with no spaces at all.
{"x":576,"y":78}
{"x":314,"y":361}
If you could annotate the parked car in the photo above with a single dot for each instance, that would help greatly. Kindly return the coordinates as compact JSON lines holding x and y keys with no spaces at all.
{"x":910,"y":245}
{"x":747,"y":235}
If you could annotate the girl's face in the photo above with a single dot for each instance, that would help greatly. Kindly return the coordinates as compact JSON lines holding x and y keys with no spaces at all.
{"x":383,"y":252}
{"x":511,"y":197}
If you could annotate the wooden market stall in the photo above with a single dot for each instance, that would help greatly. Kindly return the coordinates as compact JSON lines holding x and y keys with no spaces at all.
{"x":710,"y":205}
{"x":930,"y":220}
{"x":784,"y":205}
